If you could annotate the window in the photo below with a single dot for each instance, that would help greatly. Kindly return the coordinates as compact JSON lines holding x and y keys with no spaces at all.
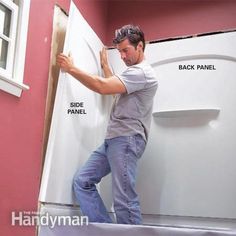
{"x":14,"y":16}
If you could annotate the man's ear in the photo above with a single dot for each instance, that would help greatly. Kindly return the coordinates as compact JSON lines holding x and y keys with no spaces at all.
{"x":140,"y":45}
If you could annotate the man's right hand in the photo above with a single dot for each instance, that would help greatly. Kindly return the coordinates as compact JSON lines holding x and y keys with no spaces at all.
{"x":65,"y":62}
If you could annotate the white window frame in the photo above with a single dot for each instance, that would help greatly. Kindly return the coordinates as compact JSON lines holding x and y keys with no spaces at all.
{"x":11,"y":79}
{"x":11,"y":39}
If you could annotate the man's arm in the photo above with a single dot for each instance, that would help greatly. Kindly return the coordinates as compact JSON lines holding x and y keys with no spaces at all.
{"x":105,"y":65}
{"x":110,"y":85}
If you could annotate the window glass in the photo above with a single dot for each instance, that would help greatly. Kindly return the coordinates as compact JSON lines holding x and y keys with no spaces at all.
{"x":3,"y":53}
{"x":5,"y":20}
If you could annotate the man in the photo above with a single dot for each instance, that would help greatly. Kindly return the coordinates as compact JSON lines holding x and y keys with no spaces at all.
{"x":127,"y":131}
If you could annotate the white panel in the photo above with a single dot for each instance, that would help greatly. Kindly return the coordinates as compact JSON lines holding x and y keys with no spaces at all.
{"x":74,"y":136}
{"x":189,"y":166}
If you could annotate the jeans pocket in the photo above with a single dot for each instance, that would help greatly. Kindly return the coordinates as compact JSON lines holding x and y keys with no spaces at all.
{"x":140,"y":145}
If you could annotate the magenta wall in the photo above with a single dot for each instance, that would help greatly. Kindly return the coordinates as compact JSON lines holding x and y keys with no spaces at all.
{"x":22,"y":119}
{"x":171,"y":18}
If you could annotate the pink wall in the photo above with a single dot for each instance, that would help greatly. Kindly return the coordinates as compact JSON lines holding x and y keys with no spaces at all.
{"x":171,"y":18}
{"x":22,"y":119}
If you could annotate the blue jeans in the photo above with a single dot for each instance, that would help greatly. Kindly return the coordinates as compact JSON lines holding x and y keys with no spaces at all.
{"x":119,"y":157}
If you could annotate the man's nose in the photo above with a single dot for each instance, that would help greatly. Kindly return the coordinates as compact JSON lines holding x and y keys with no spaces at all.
{"x":122,"y":55}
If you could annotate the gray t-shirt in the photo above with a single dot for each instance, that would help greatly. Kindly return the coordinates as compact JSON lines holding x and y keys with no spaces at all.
{"x":131,"y":112}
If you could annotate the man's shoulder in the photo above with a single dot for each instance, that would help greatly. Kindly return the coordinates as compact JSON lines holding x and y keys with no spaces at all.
{"x":134,"y":70}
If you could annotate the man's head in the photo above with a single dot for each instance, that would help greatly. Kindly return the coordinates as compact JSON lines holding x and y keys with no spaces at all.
{"x":130,"y":42}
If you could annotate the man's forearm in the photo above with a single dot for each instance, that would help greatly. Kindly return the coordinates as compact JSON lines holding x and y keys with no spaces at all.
{"x":92,"y":82}
{"x":109,"y":85}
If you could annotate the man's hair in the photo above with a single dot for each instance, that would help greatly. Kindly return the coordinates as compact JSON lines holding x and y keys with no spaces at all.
{"x":133,"y":33}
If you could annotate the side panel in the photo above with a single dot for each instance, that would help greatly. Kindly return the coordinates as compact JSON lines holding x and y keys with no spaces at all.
{"x":74,"y":136}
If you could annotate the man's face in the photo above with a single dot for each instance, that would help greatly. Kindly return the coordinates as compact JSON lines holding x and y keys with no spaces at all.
{"x":129,"y":54}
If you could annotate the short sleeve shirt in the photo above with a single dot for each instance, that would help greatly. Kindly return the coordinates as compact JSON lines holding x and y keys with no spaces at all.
{"x":131,"y":111}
